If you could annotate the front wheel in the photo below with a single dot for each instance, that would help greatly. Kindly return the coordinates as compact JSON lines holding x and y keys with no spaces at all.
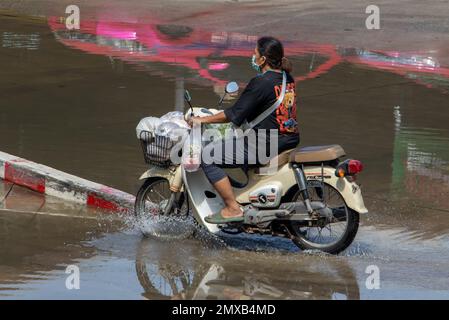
{"x":339,"y":230}
{"x":155,"y":198}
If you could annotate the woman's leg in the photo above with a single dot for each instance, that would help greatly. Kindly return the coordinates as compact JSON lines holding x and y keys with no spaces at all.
{"x":232,"y":207}
{"x":234,"y":154}
{"x":218,"y":178}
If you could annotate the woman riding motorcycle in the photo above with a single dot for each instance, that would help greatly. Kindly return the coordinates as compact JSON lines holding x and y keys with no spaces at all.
{"x":259,"y":95}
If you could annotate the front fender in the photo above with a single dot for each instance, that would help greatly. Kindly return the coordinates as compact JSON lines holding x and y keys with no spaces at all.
{"x":155,"y":172}
{"x":350,"y":191}
{"x":173,"y":175}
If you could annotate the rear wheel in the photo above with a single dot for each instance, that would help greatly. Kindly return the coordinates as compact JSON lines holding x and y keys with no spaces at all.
{"x":340,"y":226}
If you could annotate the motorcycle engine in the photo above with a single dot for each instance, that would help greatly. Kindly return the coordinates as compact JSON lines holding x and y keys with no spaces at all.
{"x":268,"y":196}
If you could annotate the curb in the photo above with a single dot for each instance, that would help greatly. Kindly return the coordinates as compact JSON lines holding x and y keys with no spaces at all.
{"x":47,"y":180}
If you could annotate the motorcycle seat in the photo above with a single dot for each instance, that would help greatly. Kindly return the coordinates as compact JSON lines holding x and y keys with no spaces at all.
{"x":281,"y":159}
{"x":316,"y":154}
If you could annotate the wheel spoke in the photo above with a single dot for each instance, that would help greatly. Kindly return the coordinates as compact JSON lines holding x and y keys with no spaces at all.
{"x":335,"y":228}
{"x":152,"y":196}
{"x":159,"y":194}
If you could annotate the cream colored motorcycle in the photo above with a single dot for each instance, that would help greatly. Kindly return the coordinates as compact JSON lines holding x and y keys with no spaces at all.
{"x":312,"y":198}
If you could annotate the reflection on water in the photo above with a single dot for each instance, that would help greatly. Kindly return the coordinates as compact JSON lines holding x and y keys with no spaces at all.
{"x":421,"y":163}
{"x":420,"y":67}
{"x":37,"y":248}
{"x":18,"y":41}
{"x":170,"y":272}
{"x":205,"y":52}
{"x":203,"y":56}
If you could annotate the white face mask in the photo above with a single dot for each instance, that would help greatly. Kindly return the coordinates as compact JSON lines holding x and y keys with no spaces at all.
{"x":255,"y":65}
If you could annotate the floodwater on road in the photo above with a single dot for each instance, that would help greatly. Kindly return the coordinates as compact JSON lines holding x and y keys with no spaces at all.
{"x":72,"y":99}
{"x":118,"y":263}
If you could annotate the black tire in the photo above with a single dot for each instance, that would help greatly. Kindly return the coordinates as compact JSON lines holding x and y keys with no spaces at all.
{"x":352,"y":218}
{"x":139,"y":204}
{"x":144,"y":191}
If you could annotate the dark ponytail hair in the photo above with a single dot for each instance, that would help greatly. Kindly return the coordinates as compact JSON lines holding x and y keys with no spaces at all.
{"x":273,"y":50}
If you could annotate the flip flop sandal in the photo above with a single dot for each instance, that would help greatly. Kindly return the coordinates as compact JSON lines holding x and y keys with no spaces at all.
{"x":217,"y":218}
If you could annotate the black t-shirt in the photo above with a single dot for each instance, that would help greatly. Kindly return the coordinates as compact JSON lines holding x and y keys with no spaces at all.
{"x":260,"y":93}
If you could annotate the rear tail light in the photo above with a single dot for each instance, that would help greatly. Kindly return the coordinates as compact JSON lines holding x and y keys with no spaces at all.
{"x":355,"y":166}
{"x":348,"y":168}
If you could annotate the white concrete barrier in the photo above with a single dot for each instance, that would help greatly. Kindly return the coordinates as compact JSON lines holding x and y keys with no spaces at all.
{"x":59,"y":184}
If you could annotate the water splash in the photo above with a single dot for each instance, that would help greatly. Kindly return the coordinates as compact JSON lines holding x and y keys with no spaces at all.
{"x":170,"y":228}
{"x":166,"y":228}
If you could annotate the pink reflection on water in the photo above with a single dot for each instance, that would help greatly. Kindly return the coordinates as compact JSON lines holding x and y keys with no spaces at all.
{"x":118,"y":31}
{"x":138,"y":43}
{"x":218,"y":66}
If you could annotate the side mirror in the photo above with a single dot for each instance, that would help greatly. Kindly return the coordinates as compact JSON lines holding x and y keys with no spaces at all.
{"x":187,"y":96}
{"x":232,"y":87}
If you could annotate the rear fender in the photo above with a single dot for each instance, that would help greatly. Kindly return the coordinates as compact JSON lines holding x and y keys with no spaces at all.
{"x":350,"y":191}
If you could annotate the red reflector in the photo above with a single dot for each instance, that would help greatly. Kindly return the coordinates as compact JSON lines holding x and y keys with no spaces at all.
{"x":355,"y":166}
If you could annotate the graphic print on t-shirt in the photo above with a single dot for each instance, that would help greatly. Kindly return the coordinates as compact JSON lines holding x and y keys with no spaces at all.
{"x":286,"y":112}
